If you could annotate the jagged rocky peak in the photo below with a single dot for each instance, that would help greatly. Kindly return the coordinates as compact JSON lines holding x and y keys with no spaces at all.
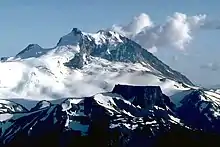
{"x":107,"y":45}
{"x":76,"y":31}
{"x":109,"y":119}
{"x":70,"y":103}
{"x":41,"y":105}
{"x":113,"y":47}
{"x":194,"y":97}
{"x":11,"y":107}
{"x":32,"y":50}
{"x":30,"y":47}
{"x":201,"y":106}
{"x":33,"y":46}
{"x":73,"y":38}
{"x":98,"y":38}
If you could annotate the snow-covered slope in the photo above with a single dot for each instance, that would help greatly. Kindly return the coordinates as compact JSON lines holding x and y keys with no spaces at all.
{"x":83,"y":64}
{"x":69,"y":96}
{"x":11,"y":107}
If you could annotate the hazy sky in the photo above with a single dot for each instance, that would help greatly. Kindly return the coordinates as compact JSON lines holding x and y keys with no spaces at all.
{"x":44,"y":21}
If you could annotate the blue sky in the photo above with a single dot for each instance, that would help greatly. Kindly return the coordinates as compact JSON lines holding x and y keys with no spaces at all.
{"x":45,"y":21}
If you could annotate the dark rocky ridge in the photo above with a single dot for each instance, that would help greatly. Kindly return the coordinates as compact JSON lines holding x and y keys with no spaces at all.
{"x":125,"y":51}
{"x":199,"y":112}
{"x":93,"y":124}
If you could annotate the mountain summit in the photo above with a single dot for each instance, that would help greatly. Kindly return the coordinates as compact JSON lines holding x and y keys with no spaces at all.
{"x":96,"y":61}
{"x":101,"y":89}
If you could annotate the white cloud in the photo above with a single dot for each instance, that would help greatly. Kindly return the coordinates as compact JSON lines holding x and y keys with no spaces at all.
{"x":176,"y":32}
{"x":213,"y":66}
{"x":135,"y":26}
{"x":152,"y":49}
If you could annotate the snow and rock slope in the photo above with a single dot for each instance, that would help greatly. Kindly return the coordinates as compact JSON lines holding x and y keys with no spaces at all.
{"x":101,"y":89}
{"x":95,"y":62}
{"x":128,"y":116}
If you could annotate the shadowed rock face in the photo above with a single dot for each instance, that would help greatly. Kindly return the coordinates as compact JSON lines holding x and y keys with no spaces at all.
{"x":129,"y":116}
{"x":41,"y":105}
{"x":198,"y":111}
{"x":145,"y":96}
{"x":112,"y":48}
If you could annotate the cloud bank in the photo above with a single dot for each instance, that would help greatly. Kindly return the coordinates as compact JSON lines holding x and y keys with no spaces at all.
{"x":176,"y":31}
{"x":213,"y":66}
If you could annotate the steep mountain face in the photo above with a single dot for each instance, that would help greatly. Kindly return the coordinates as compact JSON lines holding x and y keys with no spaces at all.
{"x":28,"y":51}
{"x":128,"y":116}
{"x":41,"y":105}
{"x":107,"y":45}
{"x":203,"y":107}
{"x":114,"y":47}
{"x":101,"y":89}
{"x":143,"y":96}
{"x":94,"y":61}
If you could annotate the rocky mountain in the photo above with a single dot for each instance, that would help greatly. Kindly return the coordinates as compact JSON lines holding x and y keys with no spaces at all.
{"x":11,"y":107}
{"x":96,"y":61}
{"x":115,"y":48}
{"x":101,"y":89}
{"x":127,"y":116}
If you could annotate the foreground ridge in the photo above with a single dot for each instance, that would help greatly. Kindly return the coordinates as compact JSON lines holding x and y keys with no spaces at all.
{"x":128,"y":116}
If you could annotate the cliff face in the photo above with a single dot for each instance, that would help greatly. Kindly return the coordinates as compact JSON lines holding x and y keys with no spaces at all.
{"x":128,"y":116}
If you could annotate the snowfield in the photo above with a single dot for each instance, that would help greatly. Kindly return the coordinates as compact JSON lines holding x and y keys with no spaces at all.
{"x":40,"y":74}
{"x":91,"y":83}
